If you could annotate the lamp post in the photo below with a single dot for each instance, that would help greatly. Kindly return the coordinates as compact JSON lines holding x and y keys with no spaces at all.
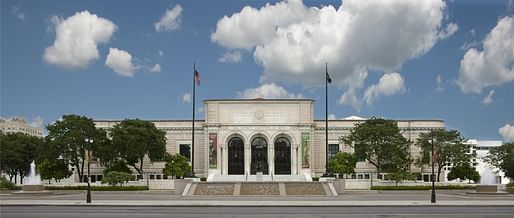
{"x":432,"y":198}
{"x":327,"y":81}
{"x":88,"y":195}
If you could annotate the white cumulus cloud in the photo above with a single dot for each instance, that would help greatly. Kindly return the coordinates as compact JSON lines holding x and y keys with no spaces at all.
{"x":77,"y":38}
{"x":37,"y":122}
{"x":440,"y":83}
{"x":389,"y":84}
{"x":231,"y":57}
{"x":120,"y":61}
{"x":18,"y":13}
{"x":268,"y":91}
{"x":507,"y":132}
{"x":493,"y":65}
{"x":332,"y":117}
{"x":186,"y":98}
{"x":292,"y":42}
{"x":170,"y":20}
{"x":156,"y":68}
{"x":488,"y":100}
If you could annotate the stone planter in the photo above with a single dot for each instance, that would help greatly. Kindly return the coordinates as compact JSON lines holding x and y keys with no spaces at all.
{"x":339,"y":185}
{"x":180,"y":184}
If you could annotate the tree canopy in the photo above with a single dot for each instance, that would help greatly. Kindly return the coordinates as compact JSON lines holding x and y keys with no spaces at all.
{"x":133,"y":139}
{"x":18,"y":152}
{"x":502,"y":157}
{"x":342,"y":163}
{"x":74,"y":135}
{"x":380,"y":142}
{"x":449,"y":148}
{"x":176,"y":166}
{"x":464,"y":172}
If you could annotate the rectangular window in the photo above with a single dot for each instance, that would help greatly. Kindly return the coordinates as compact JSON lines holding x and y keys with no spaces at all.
{"x":332,"y":150}
{"x":152,"y":176}
{"x":353,"y":176}
{"x":360,"y":153}
{"x":366,"y":176}
{"x":185,"y":150}
{"x":359,"y":176}
{"x":100,"y":177}
{"x":159,"y":176}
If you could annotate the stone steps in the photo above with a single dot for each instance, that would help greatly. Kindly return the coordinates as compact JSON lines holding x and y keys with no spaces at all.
{"x":261,"y":189}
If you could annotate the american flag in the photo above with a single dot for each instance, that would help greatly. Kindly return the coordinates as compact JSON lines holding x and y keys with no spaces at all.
{"x":197,"y":78}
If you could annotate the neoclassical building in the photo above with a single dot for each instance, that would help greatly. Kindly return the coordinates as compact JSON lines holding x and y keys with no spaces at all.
{"x":278,"y":137}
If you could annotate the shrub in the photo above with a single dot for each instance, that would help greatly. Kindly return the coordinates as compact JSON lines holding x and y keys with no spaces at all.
{"x":99,"y":188}
{"x":114,"y":178}
{"x":6,"y":184}
{"x":315,"y":178}
{"x":421,"y":187}
{"x":176,"y":166}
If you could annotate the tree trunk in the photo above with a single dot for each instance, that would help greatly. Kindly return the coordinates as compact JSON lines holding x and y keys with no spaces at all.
{"x":141,"y":166}
{"x":21,"y":179}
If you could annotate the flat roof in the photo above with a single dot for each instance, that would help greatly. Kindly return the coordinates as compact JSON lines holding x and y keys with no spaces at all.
{"x":261,"y":99}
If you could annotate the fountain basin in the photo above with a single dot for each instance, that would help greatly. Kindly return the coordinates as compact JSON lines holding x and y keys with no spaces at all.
{"x":33,"y":190}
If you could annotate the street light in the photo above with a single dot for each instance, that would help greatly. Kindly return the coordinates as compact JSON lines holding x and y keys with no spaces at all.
{"x":88,"y":195}
{"x":432,"y":198}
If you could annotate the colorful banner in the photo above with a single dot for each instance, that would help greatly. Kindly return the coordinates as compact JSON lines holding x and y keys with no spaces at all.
{"x":305,"y":150}
{"x":213,"y":150}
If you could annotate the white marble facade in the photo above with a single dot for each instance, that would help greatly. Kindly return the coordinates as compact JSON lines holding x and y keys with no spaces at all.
{"x":289,"y":140}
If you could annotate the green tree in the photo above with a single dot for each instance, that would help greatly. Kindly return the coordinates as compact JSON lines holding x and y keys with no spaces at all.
{"x":118,"y":166}
{"x":449,"y":148}
{"x":18,"y":152}
{"x":400,"y":176}
{"x":176,"y":166}
{"x":135,"y":139}
{"x":380,"y":142}
{"x":502,"y":157}
{"x":56,"y":169}
{"x":342,"y":163}
{"x":74,"y":135}
{"x":114,"y":178}
{"x":463,"y":172}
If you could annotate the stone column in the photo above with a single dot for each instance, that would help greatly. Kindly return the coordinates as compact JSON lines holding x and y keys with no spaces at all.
{"x":294,"y":159}
{"x":224,"y":159}
{"x":248,"y":158}
{"x":271,"y":158}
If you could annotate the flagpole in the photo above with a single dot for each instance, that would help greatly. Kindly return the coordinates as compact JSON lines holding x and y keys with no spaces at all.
{"x":193,"y":131}
{"x":326,"y":119}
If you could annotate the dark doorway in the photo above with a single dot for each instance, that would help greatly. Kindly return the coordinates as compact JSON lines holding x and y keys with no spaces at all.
{"x":236,"y":156}
{"x":282,"y":156}
{"x":259,"y":156}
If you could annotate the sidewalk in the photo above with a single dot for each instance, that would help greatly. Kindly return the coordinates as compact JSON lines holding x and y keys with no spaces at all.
{"x":277,"y":203}
{"x":167,"y":198}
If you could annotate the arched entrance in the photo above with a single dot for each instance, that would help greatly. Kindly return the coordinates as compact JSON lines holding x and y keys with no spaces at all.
{"x":236,"y":156}
{"x":259,"y":156}
{"x":282,"y":156}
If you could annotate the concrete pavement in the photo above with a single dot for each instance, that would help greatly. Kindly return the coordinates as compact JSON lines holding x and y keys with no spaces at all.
{"x":163,"y":198}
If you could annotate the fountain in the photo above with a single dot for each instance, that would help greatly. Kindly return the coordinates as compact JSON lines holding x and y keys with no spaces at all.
{"x":33,"y":183}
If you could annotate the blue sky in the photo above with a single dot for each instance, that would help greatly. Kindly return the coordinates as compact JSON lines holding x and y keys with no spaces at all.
{"x":448,"y":60}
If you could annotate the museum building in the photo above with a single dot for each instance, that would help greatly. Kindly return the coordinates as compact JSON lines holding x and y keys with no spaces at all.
{"x":279,"y":138}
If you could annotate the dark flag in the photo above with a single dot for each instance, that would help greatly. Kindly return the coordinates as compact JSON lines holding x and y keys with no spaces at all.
{"x":197,"y":78}
{"x":328,"y":78}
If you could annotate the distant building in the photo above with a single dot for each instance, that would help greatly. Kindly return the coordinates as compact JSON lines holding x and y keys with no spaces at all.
{"x":18,"y":124}
{"x":488,"y":174}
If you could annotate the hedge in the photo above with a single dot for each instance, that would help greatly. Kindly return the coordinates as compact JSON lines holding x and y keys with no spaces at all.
{"x":419,"y":187}
{"x":99,"y":188}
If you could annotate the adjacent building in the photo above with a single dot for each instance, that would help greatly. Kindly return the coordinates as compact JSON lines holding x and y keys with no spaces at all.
{"x":18,"y":124}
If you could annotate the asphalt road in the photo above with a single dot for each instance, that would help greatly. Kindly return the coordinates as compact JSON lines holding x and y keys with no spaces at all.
{"x":105,"y":211}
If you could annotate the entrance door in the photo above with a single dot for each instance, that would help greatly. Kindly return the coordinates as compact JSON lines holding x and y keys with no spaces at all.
{"x":259,"y":156}
{"x":282,"y":156}
{"x":236,"y":156}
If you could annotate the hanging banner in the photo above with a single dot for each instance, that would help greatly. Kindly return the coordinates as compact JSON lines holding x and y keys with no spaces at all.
{"x":305,"y":150}
{"x":213,"y":150}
